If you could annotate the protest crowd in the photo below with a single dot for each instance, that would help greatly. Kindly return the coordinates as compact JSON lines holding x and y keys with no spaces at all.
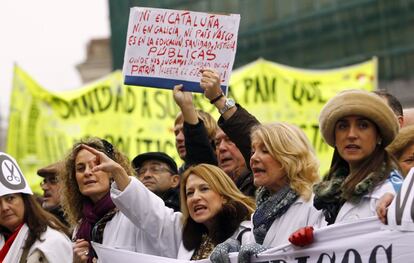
{"x":244,"y":186}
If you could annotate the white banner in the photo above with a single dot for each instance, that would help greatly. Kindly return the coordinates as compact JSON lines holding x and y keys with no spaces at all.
{"x":363,"y":241}
{"x":358,"y":242}
{"x":168,"y":47}
{"x":401,"y":210}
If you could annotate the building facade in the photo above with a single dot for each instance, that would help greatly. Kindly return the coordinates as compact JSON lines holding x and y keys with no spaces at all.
{"x":315,"y":34}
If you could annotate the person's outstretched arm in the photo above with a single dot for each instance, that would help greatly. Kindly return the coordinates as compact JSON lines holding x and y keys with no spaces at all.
{"x":197,"y":143}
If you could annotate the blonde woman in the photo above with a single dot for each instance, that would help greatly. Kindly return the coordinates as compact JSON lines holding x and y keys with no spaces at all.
{"x":285,"y":168}
{"x":213,"y":209}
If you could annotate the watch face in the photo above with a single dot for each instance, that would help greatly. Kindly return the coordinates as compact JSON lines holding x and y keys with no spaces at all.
{"x":230,"y":103}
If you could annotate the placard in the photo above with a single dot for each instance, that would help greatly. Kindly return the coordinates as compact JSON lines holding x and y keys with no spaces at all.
{"x":169,"y":47}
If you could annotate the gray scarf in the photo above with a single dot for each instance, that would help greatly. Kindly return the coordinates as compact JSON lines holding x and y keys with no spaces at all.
{"x":270,"y":207}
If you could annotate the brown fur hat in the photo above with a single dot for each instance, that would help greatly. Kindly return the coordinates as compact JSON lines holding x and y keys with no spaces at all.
{"x":404,"y":139}
{"x":362,"y":103}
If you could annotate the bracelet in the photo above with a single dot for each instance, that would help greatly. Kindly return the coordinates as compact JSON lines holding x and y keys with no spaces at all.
{"x":217,"y":98}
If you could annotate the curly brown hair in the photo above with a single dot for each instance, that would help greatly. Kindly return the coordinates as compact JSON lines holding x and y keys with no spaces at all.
{"x":72,"y":201}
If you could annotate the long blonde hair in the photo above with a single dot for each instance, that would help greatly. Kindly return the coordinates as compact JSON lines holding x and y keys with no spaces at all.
{"x":219,"y":181}
{"x":236,"y":207}
{"x":289,"y":145}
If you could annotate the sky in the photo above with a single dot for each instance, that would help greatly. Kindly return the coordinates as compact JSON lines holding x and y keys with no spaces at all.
{"x":47,"y":38}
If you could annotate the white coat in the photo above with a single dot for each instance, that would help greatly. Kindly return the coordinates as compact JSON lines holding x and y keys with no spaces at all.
{"x":367,"y":206}
{"x":121,"y":233}
{"x":161,"y":225}
{"x":300,"y":214}
{"x":54,"y":245}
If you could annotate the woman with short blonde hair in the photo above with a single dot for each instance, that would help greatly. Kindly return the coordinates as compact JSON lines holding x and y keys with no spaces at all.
{"x":290,"y":146}
{"x":285,"y":168}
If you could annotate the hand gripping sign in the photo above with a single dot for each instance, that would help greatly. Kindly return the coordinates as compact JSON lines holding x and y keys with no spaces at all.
{"x":169,"y":47}
{"x":11,"y":177}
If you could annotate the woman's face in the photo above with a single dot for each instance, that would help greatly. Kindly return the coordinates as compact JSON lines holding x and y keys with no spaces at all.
{"x":203,"y":202}
{"x":406,"y":159}
{"x":355,"y":139}
{"x":94,"y":185}
{"x":267,"y":171}
{"x":11,"y":211}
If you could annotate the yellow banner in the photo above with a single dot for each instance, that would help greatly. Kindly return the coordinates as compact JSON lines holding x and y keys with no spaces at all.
{"x":275,"y":92}
{"x":43,"y":125}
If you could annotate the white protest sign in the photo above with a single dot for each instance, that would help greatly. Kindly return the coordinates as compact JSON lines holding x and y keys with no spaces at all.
{"x":11,"y":177}
{"x":169,"y":47}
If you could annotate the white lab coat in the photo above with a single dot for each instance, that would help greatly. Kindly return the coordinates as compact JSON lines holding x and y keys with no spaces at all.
{"x":54,"y":245}
{"x":300,"y":214}
{"x":161,"y":225}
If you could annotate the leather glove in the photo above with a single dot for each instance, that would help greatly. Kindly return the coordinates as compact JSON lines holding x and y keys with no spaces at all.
{"x":302,"y":237}
{"x":248,"y":250}
{"x":221,"y":252}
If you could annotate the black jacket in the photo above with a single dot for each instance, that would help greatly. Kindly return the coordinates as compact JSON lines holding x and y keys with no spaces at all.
{"x":201,"y":150}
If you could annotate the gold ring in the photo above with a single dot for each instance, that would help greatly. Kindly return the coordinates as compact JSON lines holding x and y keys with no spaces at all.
{"x":86,"y":252}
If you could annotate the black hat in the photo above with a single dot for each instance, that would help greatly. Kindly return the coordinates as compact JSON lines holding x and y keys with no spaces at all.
{"x":50,"y":170}
{"x":159,"y":156}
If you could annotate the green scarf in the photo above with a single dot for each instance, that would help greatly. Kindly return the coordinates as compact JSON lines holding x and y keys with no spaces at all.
{"x":329,"y":195}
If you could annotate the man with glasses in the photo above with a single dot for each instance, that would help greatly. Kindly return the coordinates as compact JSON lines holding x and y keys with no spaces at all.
{"x":158,"y":172}
{"x":51,"y":191}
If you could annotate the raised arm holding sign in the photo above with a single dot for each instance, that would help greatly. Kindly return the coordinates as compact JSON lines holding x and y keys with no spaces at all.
{"x":165,"y":47}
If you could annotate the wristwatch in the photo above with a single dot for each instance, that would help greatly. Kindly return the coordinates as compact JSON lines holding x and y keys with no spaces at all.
{"x":230,"y":103}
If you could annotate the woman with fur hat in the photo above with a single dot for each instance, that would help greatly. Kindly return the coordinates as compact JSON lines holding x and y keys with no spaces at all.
{"x":359,"y":125}
{"x":27,"y":232}
{"x":402,"y":148}
{"x":213,"y":209}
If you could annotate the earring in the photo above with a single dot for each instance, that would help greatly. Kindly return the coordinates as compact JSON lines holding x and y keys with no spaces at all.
{"x":379,"y":142}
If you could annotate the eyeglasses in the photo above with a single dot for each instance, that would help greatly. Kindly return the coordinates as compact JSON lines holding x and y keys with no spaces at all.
{"x":49,"y":180}
{"x":154,"y":169}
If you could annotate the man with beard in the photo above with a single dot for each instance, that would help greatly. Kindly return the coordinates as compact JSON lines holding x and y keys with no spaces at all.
{"x":51,"y":190}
